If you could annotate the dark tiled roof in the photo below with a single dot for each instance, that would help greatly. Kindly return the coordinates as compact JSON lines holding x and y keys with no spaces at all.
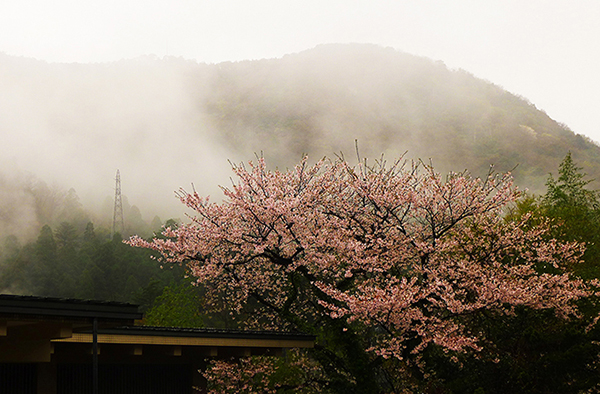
{"x":32,"y":306}
{"x":66,"y":307}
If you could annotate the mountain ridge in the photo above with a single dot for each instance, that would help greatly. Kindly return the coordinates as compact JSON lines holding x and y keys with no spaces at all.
{"x":167,"y":123}
{"x":404,"y":101}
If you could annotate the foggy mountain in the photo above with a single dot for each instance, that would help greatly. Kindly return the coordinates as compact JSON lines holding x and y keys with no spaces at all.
{"x":169,"y":123}
{"x":319,"y":101}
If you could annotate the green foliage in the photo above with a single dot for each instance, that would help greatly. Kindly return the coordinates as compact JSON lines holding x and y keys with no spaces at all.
{"x":295,"y":372}
{"x":576,"y":212}
{"x":569,"y":191}
{"x":79,"y":264}
{"x":177,"y":306}
{"x":146,"y":295}
{"x":535,"y":352}
{"x":46,"y":273}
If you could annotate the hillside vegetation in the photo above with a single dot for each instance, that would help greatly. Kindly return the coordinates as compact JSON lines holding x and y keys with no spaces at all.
{"x":319,"y":101}
{"x":75,"y":124}
{"x":168,"y":123}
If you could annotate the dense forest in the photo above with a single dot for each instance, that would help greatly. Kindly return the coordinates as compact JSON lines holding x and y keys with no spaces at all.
{"x":70,"y":257}
{"x":170,"y":122}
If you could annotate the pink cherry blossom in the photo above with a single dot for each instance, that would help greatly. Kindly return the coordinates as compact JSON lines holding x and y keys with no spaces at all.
{"x":397,"y":251}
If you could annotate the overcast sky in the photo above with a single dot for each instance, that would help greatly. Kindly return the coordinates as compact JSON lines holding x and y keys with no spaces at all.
{"x":545,"y":50}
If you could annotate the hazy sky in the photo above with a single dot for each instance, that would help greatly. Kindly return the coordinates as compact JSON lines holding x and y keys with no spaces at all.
{"x":545,"y":50}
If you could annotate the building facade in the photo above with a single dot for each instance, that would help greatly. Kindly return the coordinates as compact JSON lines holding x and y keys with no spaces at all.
{"x":67,"y":346}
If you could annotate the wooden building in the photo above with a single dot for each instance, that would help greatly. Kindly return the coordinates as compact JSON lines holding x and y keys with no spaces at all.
{"x":67,"y":346}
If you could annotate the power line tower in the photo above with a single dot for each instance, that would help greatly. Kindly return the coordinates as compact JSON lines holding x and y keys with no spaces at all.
{"x":118,"y":224}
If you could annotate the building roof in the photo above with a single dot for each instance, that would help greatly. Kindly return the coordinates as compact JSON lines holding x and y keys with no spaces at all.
{"x":56,"y":332}
{"x":33,"y":306}
{"x":116,"y":320}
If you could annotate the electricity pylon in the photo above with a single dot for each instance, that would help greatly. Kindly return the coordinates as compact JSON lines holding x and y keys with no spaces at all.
{"x":118,"y":224}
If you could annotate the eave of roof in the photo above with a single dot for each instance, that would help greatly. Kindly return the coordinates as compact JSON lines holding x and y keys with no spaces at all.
{"x":66,"y":308}
{"x":203,"y":337}
{"x":206,"y":333}
{"x":33,"y":307}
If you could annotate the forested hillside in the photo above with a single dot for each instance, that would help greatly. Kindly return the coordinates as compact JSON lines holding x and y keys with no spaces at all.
{"x":169,"y":123}
{"x":320,"y":101}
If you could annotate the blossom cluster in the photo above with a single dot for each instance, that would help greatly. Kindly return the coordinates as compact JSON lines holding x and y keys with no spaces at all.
{"x":396,"y":249}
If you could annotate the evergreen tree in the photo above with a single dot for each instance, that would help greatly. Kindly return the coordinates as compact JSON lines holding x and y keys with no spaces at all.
{"x":576,"y":213}
{"x":47,"y":277}
{"x":569,"y":190}
{"x":13,"y":271}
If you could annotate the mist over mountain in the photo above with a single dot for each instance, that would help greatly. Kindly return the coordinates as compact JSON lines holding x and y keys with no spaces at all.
{"x":74,"y":125}
{"x":169,"y":123}
{"x":319,"y":101}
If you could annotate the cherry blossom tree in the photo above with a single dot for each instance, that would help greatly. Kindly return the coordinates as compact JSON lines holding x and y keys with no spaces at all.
{"x":265,"y":375}
{"x":379,"y":261}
